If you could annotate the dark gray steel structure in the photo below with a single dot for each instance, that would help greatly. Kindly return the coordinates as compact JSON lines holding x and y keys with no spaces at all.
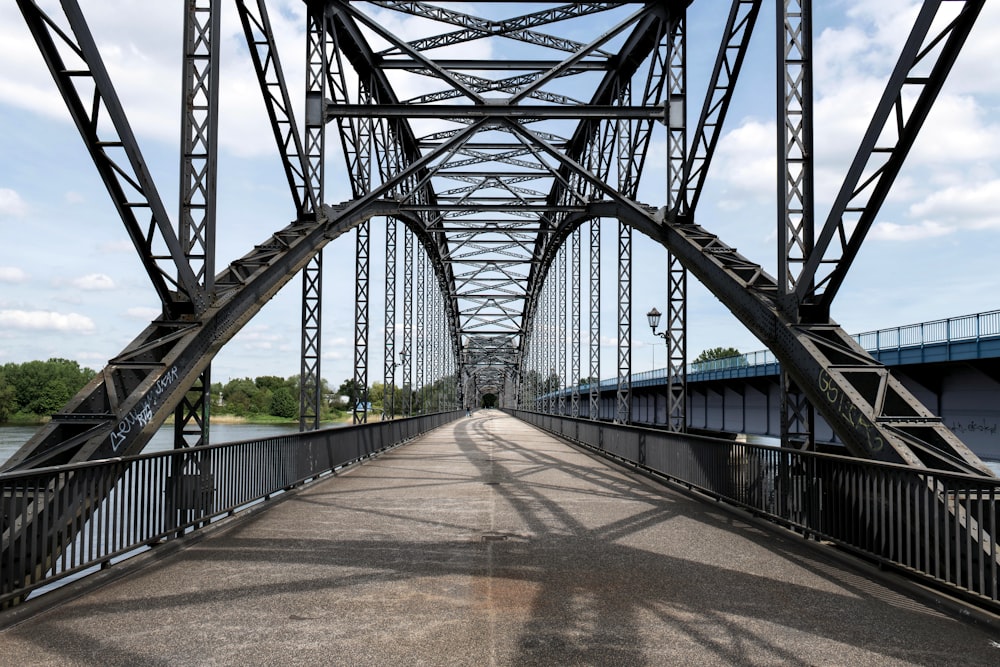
{"x":544,"y":135}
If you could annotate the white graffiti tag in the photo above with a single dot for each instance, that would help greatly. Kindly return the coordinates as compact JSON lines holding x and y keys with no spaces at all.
{"x":165,"y":381}
{"x":142,"y":414}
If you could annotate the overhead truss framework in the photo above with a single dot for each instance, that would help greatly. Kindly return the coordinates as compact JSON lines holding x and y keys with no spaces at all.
{"x":493,"y":136}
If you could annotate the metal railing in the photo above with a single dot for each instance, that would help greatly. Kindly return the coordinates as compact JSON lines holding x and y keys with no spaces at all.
{"x":951,"y":330}
{"x":66,"y":520}
{"x":938,"y":527}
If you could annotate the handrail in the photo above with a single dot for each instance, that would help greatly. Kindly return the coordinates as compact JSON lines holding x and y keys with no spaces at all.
{"x":81,"y":517}
{"x":936,"y":526}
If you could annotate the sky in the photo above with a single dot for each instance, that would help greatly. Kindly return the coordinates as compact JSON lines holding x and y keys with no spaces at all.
{"x":71,"y":285}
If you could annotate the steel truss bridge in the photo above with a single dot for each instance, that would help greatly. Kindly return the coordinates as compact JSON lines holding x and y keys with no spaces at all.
{"x":497,"y":176}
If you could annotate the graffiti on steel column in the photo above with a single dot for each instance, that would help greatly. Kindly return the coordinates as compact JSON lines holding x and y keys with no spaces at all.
{"x":141,"y":414}
{"x":850,"y":412}
{"x":973,"y":426}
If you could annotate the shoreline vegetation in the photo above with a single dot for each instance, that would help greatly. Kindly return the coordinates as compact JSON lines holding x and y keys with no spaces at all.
{"x":343,"y":418}
{"x":32,"y":391}
{"x":22,"y":419}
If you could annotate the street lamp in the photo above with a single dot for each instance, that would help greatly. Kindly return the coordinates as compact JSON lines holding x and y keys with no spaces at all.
{"x":654,"y":321}
{"x":653,"y":316}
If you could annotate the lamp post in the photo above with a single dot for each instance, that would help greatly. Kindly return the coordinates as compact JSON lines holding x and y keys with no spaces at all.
{"x":653,"y":316}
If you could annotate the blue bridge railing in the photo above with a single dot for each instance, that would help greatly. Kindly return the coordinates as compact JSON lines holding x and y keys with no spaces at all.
{"x":937,"y":332}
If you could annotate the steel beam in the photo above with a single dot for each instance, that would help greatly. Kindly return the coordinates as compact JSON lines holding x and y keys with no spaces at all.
{"x":311,"y":348}
{"x":389,"y":355}
{"x":115,"y":152}
{"x":677,"y":160}
{"x":198,"y":178}
{"x":796,"y":235}
{"x":920,"y":72}
{"x":595,"y":319}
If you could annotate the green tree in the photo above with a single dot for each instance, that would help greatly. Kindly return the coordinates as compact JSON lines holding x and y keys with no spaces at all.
{"x":53,"y":396}
{"x":717,"y":353}
{"x":8,"y":400}
{"x":283,"y":404}
{"x":349,"y":388}
{"x":43,"y":387}
{"x":270,"y":382}
{"x":239,"y":396}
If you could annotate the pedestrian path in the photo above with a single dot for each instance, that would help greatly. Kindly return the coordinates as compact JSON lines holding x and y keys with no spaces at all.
{"x":489,"y":542}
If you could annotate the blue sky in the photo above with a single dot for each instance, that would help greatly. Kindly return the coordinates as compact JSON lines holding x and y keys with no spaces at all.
{"x":71,"y":285}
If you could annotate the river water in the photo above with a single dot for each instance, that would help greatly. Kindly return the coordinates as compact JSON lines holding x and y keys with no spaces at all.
{"x":12,"y":437}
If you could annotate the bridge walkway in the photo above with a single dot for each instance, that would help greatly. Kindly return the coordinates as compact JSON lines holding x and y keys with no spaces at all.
{"x":488,"y":542}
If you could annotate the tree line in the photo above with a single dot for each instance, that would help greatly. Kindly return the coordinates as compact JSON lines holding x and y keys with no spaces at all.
{"x":31,"y":392}
{"x":39,"y":388}
{"x":34,"y":390}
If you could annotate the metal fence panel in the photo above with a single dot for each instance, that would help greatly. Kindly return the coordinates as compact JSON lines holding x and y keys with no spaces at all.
{"x":939,"y":527}
{"x":58,"y":522}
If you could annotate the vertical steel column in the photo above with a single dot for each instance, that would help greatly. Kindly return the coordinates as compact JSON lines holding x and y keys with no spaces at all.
{"x":553,"y":335}
{"x":362,"y":179}
{"x":796,"y":228}
{"x":361,"y":291}
{"x":406,"y":382}
{"x":310,"y":385}
{"x":575,"y":288}
{"x":421,"y":303}
{"x":623,"y":393}
{"x":389,"y":378}
{"x":623,"y":403}
{"x":310,"y":382}
{"x":595,"y":319}
{"x":676,"y":321}
{"x":548,"y":360}
{"x":198,"y":176}
{"x":523,"y":388}
{"x":562,"y":329}
{"x":199,"y":138}
{"x":795,"y":193}
{"x":627,"y":182}
{"x":545,"y":351}
{"x":435,"y":342}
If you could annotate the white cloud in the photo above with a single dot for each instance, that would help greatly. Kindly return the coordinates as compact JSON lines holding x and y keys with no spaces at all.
{"x":745,"y":162}
{"x":968,"y":206}
{"x":45,"y":320}
{"x":94,"y":282}
{"x":12,"y":274}
{"x":140,"y":44}
{"x":121,"y":246}
{"x":143,"y":314}
{"x":11,"y":204}
{"x":890,"y":231}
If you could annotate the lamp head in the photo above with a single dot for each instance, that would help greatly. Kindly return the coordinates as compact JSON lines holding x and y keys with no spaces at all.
{"x":654,"y":318}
